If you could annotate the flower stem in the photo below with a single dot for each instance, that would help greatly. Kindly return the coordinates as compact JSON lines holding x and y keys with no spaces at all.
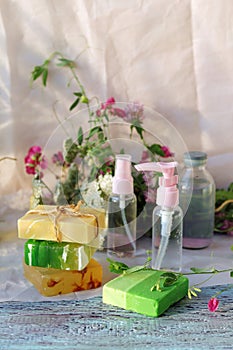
{"x":46,"y":186}
{"x":6,"y":157}
{"x":207,"y":272}
{"x":223,"y":205}
{"x":222,"y":291}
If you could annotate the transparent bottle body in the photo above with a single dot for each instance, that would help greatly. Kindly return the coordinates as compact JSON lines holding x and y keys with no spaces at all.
{"x":121,"y":235}
{"x":172,"y":259}
{"x":198,"y":221}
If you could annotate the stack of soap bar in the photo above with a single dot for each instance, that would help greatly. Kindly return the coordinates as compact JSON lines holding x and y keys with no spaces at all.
{"x":64,"y":256}
{"x":51,"y":282}
{"x":61,"y":242}
{"x":133,"y":292}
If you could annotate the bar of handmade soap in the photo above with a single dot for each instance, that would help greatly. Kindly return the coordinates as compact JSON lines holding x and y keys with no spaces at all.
{"x":50,"y":282}
{"x":45,"y":222}
{"x":64,"y":256}
{"x":133,"y":292}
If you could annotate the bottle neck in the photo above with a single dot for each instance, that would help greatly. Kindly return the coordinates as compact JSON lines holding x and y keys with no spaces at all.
{"x":196,"y":167}
{"x":125,"y":196}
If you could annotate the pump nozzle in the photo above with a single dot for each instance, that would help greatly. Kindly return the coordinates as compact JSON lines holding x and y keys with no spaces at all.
{"x":122,"y":180}
{"x":167,"y":193}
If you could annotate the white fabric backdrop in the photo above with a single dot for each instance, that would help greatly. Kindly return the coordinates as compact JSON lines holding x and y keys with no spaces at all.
{"x":175,"y":56}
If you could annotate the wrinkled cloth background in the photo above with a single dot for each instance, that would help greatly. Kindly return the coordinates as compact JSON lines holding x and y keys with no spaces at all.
{"x":174,"y":56}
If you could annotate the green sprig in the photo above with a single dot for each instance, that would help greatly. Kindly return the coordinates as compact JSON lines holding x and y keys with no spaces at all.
{"x":116,"y":266}
{"x":166,"y":279}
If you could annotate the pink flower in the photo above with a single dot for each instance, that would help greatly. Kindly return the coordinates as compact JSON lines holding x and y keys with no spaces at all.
{"x":28,"y":160}
{"x":106,"y":105}
{"x":145,"y":157}
{"x":98,"y":112}
{"x":150,"y":195}
{"x":110,"y":101}
{"x":134,"y":112}
{"x":34,"y":150}
{"x":31,"y":170}
{"x":167,"y":152}
{"x":58,"y":159}
{"x":34,"y":159}
{"x":118,"y":112}
{"x":43,"y":163}
{"x":213,"y":304}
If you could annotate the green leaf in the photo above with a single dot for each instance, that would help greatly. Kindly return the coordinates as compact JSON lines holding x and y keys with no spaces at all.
{"x":84,"y":99}
{"x":166,"y":279}
{"x":45,"y":76}
{"x":134,"y":269}
{"x":156,"y":149}
{"x":201,"y":270}
{"x":65,"y":62}
{"x":222,"y":195}
{"x":80,"y":136}
{"x":36,"y":73}
{"x":231,"y":274}
{"x":71,"y":150}
{"x":94,"y":131}
{"x":79,"y":94}
{"x":74,"y":104}
{"x":116,"y":267}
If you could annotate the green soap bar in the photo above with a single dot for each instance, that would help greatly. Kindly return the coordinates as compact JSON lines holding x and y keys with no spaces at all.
{"x":43,"y":254}
{"x":133,"y":292}
{"x":63,"y":256}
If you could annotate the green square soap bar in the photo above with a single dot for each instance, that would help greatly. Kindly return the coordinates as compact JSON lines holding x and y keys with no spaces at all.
{"x":57,"y":255}
{"x":133,"y":292}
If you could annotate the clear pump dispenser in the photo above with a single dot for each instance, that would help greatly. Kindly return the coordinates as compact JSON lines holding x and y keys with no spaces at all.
{"x":167,"y":219}
{"x":122,"y":211}
{"x":199,"y":218}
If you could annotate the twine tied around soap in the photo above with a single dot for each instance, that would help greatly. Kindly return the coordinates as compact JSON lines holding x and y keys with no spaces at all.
{"x":65,"y":210}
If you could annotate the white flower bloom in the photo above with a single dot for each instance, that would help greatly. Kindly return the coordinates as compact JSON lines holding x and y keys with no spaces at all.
{"x":91,"y":194}
{"x":105,"y":183}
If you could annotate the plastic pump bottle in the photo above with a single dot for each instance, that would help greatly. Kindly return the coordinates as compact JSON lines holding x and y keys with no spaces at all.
{"x":167,"y":218}
{"x":122,"y":211}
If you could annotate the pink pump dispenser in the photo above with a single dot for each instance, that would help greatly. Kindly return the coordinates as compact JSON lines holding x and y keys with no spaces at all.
{"x":167,"y":193}
{"x":167,"y":218}
{"x":122,"y":180}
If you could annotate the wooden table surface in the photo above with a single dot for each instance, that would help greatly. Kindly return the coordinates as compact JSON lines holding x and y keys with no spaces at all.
{"x":90,"y":324}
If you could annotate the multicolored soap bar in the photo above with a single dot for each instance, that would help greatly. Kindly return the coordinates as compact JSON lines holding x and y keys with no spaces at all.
{"x":62,"y":224}
{"x":51,"y":282}
{"x":64,"y":256}
{"x":134,"y":292}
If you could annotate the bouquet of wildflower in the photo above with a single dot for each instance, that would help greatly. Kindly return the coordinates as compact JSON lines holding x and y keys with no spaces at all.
{"x":94,"y":186}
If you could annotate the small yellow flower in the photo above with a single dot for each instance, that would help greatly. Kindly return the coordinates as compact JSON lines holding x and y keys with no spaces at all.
{"x":192,"y":292}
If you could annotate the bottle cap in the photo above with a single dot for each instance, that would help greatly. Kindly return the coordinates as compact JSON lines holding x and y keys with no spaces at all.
{"x":195,"y":158}
{"x":122,"y":180}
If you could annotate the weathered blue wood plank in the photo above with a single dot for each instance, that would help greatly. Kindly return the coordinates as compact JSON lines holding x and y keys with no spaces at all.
{"x":90,"y":324}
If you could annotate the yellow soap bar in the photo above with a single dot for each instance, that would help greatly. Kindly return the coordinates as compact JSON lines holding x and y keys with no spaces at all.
{"x":50,"y":282}
{"x":52,"y":223}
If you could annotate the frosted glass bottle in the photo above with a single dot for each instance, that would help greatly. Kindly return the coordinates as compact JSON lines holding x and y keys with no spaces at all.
{"x":173,"y":255}
{"x":198,"y":222}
